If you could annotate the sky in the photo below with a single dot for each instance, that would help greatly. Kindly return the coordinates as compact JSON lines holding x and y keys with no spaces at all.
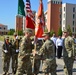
{"x":9,"y":9}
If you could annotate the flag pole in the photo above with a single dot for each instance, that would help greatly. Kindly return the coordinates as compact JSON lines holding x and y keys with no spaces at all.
{"x":35,"y":46}
{"x":23,"y":23}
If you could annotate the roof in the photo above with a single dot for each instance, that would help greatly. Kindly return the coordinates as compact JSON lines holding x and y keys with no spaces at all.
{"x":2,"y":24}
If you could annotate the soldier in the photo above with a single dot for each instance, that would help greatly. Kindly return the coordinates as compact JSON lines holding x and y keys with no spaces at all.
{"x":48,"y":52}
{"x":6,"y":48}
{"x":24,"y":61}
{"x":37,"y":60}
{"x":15,"y":52}
{"x":68,"y":53}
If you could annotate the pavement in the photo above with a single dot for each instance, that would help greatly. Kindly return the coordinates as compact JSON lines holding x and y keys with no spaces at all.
{"x":59,"y":62}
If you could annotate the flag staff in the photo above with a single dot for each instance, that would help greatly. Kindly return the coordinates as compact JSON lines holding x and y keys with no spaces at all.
{"x":38,"y":29}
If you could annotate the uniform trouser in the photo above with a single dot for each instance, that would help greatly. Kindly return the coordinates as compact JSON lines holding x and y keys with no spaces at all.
{"x":59,"y":52}
{"x":36,"y":66}
{"x":68,"y":61}
{"x":6,"y":63}
{"x":49,"y":67}
{"x":14,"y":62}
{"x":24,"y":65}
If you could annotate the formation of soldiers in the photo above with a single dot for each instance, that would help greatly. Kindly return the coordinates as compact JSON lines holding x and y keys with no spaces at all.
{"x":10,"y":50}
{"x":21,"y":52}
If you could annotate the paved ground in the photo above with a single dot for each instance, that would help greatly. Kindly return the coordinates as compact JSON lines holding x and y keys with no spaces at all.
{"x":59,"y":63}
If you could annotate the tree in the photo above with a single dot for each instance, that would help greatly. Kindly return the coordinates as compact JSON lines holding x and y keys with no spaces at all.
{"x":20,"y":32}
{"x":69,"y":30}
{"x":60,"y":32}
{"x":11,"y":31}
{"x":52,"y":32}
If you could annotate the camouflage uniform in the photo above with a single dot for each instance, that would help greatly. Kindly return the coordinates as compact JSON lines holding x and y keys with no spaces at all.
{"x":49,"y":61}
{"x":37,"y":60}
{"x":6,"y":48}
{"x":15,"y":52}
{"x":74,"y":47}
{"x":24,"y":61}
{"x":68,"y":55}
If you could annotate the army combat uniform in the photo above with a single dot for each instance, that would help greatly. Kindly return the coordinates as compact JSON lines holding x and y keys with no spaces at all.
{"x":24,"y":61}
{"x":7,"y":52}
{"x":49,"y":61}
{"x":37,"y":60}
{"x":15,"y":52}
{"x":68,"y":55}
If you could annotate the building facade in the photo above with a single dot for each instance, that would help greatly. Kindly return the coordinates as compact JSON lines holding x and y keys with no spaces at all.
{"x":54,"y":13}
{"x":19,"y":23}
{"x":45,"y":14}
{"x":3,"y":29}
{"x":69,"y":16}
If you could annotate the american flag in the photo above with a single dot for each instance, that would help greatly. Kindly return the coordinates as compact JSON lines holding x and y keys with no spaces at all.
{"x":30,"y":23}
{"x":28,"y":6}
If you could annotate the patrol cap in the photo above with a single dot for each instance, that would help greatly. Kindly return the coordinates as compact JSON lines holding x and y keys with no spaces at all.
{"x":15,"y":33}
{"x":7,"y":38}
{"x":28,"y":30}
{"x":46,"y":33}
{"x":65,"y":30}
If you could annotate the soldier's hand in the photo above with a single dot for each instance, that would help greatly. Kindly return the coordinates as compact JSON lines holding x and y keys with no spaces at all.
{"x":17,"y":50}
{"x":5,"y":51}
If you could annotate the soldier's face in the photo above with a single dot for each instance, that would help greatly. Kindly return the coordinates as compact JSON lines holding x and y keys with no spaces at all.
{"x":7,"y":40}
{"x":15,"y":36}
{"x":46,"y":37}
{"x":65,"y":34}
{"x":29,"y":34}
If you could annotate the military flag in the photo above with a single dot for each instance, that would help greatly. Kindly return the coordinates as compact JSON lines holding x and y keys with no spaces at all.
{"x":21,"y":7}
{"x":29,"y":23}
{"x":40,"y":21}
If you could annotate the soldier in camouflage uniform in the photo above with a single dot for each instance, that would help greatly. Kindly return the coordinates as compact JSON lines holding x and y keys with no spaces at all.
{"x":6,"y":48}
{"x":48,"y":52}
{"x":74,"y":38}
{"x":68,"y":53}
{"x":24,"y":61}
{"x":37,"y":60}
{"x":15,"y":52}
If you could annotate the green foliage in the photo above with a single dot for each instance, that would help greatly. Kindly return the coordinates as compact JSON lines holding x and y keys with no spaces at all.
{"x":20,"y":32}
{"x":69,"y":30}
{"x":52,"y":32}
{"x":11,"y":32}
{"x":60,"y":32}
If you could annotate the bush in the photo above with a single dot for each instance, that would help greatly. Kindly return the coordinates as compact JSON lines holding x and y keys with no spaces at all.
{"x":11,"y":32}
{"x":60,"y":32}
{"x":20,"y":33}
{"x":52,"y":32}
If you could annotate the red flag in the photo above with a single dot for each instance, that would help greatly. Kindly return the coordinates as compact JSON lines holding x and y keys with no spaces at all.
{"x":30,"y":23}
{"x":40,"y":22}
